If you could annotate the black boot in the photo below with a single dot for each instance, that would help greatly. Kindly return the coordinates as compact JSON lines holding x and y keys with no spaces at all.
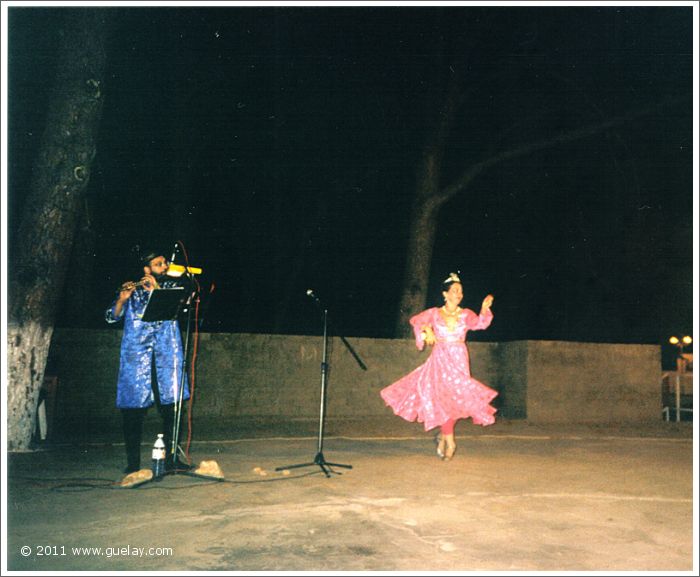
{"x":132,"y":424}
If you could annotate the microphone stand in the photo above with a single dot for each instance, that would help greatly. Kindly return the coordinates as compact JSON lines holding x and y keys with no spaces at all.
{"x":177,"y":407}
{"x":319,"y":459}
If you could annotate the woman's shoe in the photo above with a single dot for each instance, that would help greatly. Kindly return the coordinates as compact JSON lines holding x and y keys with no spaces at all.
{"x":449,"y":453}
{"x":440,"y":446}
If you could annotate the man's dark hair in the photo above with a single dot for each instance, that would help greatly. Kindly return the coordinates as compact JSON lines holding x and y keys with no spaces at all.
{"x":148,"y":255}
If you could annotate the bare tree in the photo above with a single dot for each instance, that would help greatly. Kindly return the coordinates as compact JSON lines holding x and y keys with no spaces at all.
{"x":44,"y":241}
{"x":432,"y":193}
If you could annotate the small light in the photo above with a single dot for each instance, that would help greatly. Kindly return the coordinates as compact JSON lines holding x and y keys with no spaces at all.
{"x":687,"y":340}
{"x":673,"y":340}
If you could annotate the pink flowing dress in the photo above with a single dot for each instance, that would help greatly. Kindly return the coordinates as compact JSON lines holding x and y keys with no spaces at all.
{"x":442,"y":388}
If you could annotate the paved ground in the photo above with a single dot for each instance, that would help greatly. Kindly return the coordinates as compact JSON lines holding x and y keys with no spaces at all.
{"x":515,"y":498}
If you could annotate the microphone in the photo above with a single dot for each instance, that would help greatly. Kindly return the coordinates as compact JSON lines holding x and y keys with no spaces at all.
{"x":310,"y":293}
{"x":172,"y":257}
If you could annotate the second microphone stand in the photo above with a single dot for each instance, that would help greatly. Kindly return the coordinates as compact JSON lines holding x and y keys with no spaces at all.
{"x":319,"y":459}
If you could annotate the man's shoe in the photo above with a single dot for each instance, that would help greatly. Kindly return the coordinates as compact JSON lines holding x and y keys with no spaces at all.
{"x":136,"y":478}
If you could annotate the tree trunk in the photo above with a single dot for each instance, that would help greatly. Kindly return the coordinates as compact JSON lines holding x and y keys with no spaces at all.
{"x":44,"y":241}
{"x":79,"y":301}
{"x":424,"y":214}
{"x":419,"y":253}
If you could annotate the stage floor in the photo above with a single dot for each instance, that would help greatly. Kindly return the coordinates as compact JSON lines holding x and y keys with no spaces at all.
{"x":514,"y":498}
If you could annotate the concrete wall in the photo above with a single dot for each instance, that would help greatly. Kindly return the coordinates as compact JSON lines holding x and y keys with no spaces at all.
{"x":512,"y":378}
{"x":247,"y":378}
{"x":593,"y":383}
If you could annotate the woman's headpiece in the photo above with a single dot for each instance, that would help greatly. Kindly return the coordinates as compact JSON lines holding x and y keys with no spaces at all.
{"x":454,"y":277}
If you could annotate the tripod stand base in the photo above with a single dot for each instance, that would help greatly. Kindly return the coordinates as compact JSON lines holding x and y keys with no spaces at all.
{"x":174,"y":465}
{"x":319,"y":460}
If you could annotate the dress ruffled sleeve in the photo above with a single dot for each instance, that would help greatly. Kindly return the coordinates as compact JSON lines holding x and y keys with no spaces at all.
{"x":478,"y":322}
{"x":418,"y":322}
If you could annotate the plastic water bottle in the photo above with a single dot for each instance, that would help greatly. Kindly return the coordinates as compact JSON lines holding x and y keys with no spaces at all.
{"x":158,"y":458}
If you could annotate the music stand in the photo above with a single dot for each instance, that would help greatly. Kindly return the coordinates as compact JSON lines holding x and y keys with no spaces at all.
{"x":164,"y":304}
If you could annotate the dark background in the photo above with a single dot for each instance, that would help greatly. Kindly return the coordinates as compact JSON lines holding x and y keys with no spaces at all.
{"x":281,"y":145}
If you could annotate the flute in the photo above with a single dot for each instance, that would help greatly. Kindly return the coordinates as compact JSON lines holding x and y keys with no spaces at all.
{"x":129,"y":285}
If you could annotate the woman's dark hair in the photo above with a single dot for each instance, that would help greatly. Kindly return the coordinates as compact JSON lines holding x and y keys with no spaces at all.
{"x":449,"y":281}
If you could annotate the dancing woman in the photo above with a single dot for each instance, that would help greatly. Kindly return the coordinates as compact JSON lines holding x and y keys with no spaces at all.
{"x":442,"y":390}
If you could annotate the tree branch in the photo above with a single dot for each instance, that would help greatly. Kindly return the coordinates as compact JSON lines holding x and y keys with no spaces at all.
{"x":473,"y":171}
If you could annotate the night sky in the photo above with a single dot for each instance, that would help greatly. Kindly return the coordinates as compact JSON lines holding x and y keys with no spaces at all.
{"x":281,"y":144}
